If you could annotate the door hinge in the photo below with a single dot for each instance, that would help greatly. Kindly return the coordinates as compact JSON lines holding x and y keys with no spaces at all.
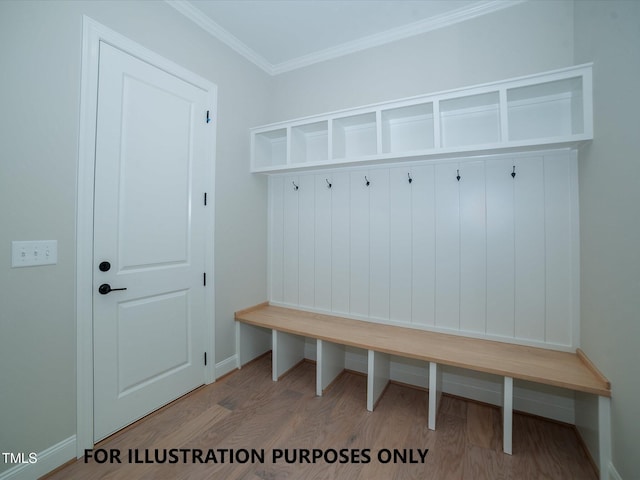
{"x":204,"y":279}
{"x":205,"y":359}
{"x":208,"y":117}
{"x":205,"y":199}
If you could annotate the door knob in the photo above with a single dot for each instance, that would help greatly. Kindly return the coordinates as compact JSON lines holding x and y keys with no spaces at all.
{"x":106,"y":288}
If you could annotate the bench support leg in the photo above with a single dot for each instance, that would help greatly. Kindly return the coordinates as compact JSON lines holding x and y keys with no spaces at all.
{"x":251,"y":342}
{"x":507,"y":415}
{"x":288,"y":351}
{"x":435,"y":393}
{"x":330,"y":364}
{"x":378,"y":375}
{"x":604,"y":435}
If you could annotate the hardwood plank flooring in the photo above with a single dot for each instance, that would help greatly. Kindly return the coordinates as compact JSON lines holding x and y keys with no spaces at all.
{"x":246,"y":410}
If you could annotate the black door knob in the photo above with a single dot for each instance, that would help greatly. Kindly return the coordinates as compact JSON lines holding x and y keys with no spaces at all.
{"x":104,"y":266}
{"x":106,"y":288}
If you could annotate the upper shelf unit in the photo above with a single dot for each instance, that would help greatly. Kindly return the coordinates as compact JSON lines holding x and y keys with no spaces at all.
{"x":552,"y":108}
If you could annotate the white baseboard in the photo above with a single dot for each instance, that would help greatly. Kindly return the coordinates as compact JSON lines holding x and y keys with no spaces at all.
{"x":548,"y":402}
{"x":542,"y":400}
{"x":613,"y":473}
{"x":545,"y":401}
{"x":47,"y":460}
{"x":227,"y":365}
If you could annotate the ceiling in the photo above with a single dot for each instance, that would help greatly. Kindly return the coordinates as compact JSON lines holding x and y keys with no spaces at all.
{"x":282,"y":35}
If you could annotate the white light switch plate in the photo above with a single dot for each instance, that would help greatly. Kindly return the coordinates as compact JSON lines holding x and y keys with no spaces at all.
{"x":34,"y":252}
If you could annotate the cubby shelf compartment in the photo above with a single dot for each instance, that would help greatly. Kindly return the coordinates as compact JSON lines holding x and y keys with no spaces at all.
{"x":309,"y":142}
{"x":526,"y":113}
{"x":355,"y":136}
{"x":546,"y":110}
{"x":270,"y":148}
{"x":408,"y":128}
{"x":470,"y":120}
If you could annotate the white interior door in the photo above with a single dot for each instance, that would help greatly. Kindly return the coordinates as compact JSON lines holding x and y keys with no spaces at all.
{"x":150,"y":226}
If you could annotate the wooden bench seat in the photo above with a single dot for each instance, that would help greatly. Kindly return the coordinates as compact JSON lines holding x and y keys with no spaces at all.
{"x":568,"y":370}
{"x":560,"y":369}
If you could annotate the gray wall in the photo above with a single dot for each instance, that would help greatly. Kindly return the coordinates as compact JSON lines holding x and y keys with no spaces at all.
{"x":608,"y":33}
{"x":40,"y":53}
{"x":520,"y":40}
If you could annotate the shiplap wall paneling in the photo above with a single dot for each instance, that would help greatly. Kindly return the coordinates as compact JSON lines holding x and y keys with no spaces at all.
{"x":306,"y":247}
{"x":340,"y":229}
{"x":323,"y":242}
{"x":447,"y":228}
{"x":379,"y":284}
{"x":500,"y":248}
{"x":529,"y":248}
{"x":359,"y":237}
{"x":491,"y":253}
{"x":291,"y":239}
{"x":400,"y":241}
{"x":422,"y":244}
{"x":558,"y":171}
{"x":276,"y":238}
{"x":473,"y":248}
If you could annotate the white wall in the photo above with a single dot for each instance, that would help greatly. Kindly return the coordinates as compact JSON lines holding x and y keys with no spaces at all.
{"x":40,"y":51}
{"x":608,"y":33}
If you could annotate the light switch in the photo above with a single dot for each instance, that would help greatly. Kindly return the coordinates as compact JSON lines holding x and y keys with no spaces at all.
{"x":30,"y":253}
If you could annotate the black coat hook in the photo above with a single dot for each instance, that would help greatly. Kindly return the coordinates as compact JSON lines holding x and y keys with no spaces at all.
{"x":458,"y":175}
{"x":409,"y":177}
{"x":513,"y":174}
{"x":366,"y":181}
{"x":295,"y":187}
{"x":328,"y":184}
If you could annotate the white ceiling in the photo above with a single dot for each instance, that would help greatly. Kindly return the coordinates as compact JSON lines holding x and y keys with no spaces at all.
{"x":281,"y":35}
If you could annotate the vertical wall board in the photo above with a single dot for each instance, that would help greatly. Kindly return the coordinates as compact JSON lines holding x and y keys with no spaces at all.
{"x":306,"y":227}
{"x":400,"y":238}
{"x":529,"y":249}
{"x":473,"y":248}
{"x":379,"y":245}
{"x":492,"y":253}
{"x":290,"y":240}
{"x":500,"y":248}
{"x":340,"y":230}
{"x":558,"y":251}
{"x":323,"y":243}
{"x":359,"y":237}
{"x":276,"y":234}
{"x":447,"y":229}
{"x":423,"y":244}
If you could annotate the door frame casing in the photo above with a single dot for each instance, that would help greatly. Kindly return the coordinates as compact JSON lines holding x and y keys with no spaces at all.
{"x":92,"y":34}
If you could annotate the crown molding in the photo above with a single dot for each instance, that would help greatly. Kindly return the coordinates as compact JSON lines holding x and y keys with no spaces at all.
{"x":463,"y":14}
{"x":194,"y":14}
{"x":400,"y":33}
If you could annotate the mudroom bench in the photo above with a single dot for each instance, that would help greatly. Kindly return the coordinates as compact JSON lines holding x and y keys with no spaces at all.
{"x":289,"y":328}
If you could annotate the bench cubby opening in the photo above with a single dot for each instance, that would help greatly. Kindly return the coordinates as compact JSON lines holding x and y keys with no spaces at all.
{"x":572,"y":371}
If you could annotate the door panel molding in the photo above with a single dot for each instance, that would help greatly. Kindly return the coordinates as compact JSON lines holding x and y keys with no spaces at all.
{"x":92,"y":34}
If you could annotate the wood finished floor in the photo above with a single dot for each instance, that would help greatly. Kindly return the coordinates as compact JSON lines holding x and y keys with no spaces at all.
{"x":246,"y":410}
